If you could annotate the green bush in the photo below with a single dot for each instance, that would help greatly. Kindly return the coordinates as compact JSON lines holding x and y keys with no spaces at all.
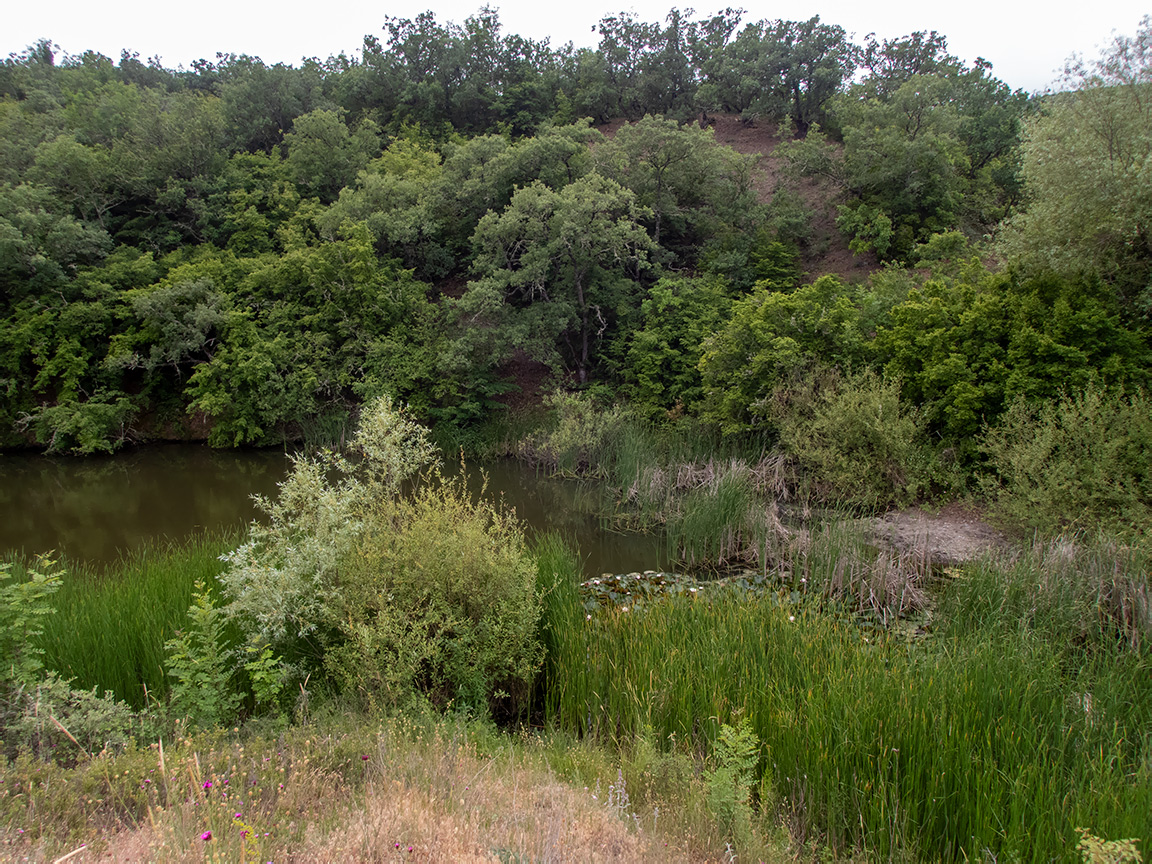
{"x":966,"y":345}
{"x":857,"y":441}
{"x":438,"y":599}
{"x":394,"y":596}
{"x":281,"y":581}
{"x":199,"y":666}
{"x":772,"y":336}
{"x":25,"y":603}
{"x":56,"y":720}
{"x":581,"y":439}
{"x":1079,"y":461}
{"x":661,"y":366}
{"x":41,"y":712}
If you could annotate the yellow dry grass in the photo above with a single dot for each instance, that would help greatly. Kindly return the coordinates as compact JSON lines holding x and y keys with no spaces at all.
{"x":419,"y":796}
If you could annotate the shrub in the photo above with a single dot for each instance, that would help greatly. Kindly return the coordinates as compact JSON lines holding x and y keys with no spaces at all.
{"x":1078,"y":461}
{"x":24,"y":604}
{"x":57,"y":720}
{"x":581,"y":439}
{"x":661,"y":366}
{"x":729,"y":783}
{"x":772,"y":336}
{"x":439,"y":599}
{"x":200,"y":668}
{"x":282,"y":579}
{"x":857,"y":441}
{"x":395,"y":596}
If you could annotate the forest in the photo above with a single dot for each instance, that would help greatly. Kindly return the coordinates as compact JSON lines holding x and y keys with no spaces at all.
{"x":247,"y":252}
{"x":750,"y":281}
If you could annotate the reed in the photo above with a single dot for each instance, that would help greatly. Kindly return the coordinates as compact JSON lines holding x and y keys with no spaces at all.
{"x":110,"y":625}
{"x":978,"y":744}
{"x":1074,"y":589}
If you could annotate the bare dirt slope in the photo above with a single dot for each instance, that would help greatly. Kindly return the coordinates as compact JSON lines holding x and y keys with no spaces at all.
{"x":827,"y":252}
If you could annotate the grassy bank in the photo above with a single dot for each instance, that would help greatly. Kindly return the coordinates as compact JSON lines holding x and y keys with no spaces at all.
{"x":995,"y":734}
{"x":1013,"y":716}
{"x":347,"y":788}
{"x":111,"y":624}
{"x":833,"y":700}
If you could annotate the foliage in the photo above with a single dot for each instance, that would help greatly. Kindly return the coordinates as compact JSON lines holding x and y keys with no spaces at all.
{"x":662,"y":359}
{"x":923,"y":151}
{"x":24,"y":604}
{"x":1079,"y":461}
{"x":1085,"y":158}
{"x":556,"y":268}
{"x":283,"y":578}
{"x":968,"y":342}
{"x":200,"y":666}
{"x":439,"y":600}
{"x":98,"y":424}
{"x":770,"y":337}
{"x":110,"y":624}
{"x":57,"y":719}
{"x":855,"y":438}
{"x":393,"y":596}
{"x":691,"y":188}
{"x":581,"y":439}
{"x":777,"y":70}
{"x":1076,"y":591}
{"x":729,"y":783}
{"x":874,"y":740}
{"x":1096,"y":850}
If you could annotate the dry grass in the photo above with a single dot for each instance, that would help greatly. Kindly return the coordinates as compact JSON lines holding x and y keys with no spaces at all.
{"x":396,"y":793}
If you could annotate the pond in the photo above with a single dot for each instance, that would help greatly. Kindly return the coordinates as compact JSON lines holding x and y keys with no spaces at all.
{"x":97,"y":508}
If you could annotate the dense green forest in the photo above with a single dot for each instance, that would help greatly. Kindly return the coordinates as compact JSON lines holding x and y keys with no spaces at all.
{"x":248,"y":252}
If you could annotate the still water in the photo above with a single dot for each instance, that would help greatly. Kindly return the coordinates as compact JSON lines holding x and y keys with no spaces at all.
{"x":96,"y":509}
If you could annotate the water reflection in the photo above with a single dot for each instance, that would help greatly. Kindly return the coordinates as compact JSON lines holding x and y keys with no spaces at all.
{"x":95,"y":509}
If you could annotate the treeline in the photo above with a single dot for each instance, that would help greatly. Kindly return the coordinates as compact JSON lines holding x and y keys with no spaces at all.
{"x":259,"y":249}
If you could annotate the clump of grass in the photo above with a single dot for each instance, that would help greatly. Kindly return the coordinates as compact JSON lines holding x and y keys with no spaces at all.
{"x":836,"y":561}
{"x":110,"y":626}
{"x":1074,"y":590}
{"x":582,"y":439}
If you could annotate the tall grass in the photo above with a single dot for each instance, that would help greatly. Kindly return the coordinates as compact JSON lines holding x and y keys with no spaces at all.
{"x":1075,"y":590}
{"x":977,"y":744}
{"x":110,"y":626}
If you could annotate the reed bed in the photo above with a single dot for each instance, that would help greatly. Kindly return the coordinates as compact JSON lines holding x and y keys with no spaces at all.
{"x":110,"y":625}
{"x":980,"y":744}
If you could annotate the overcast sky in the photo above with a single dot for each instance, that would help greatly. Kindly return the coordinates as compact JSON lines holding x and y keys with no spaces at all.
{"x":1026,"y":46}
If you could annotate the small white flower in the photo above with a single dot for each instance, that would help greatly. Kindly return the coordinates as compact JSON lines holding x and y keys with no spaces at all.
{"x":587,"y":617}
{"x":791,"y":617}
{"x":623,"y":608}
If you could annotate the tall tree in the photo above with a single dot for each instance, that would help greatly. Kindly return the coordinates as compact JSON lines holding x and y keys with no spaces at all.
{"x":1086,"y":169}
{"x":557,"y":266}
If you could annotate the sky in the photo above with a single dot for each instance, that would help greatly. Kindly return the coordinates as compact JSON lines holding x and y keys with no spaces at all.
{"x":1027,"y":47}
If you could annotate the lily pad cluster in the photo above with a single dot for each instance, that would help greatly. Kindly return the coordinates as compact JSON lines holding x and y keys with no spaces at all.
{"x":630,"y":589}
